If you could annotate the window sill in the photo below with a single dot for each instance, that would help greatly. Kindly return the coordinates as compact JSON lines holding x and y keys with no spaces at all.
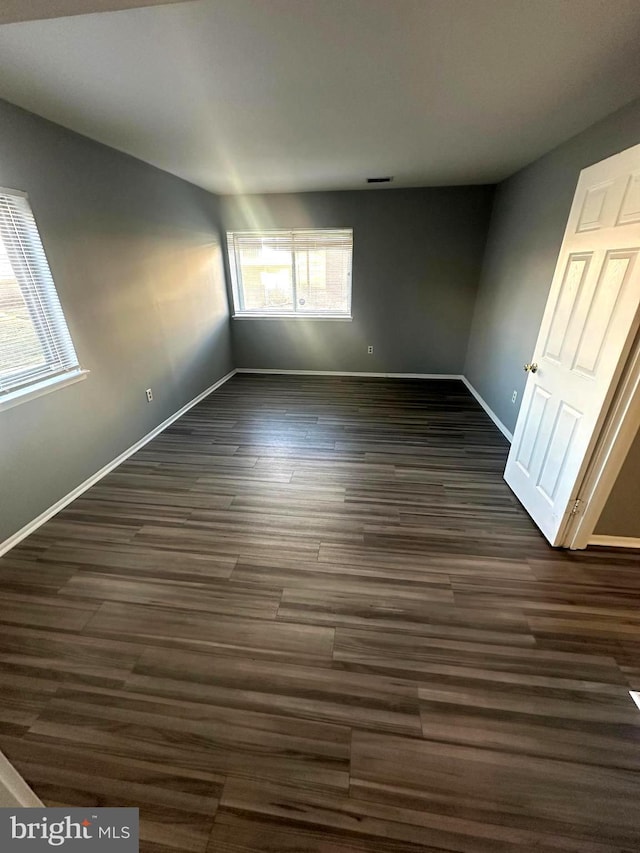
{"x":345,"y":318}
{"x":38,"y":389}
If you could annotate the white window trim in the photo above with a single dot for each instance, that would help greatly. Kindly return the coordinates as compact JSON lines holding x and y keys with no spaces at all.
{"x":63,"y":377}
{"x":239,"y":314}
{"x":9,"y":191}
{"x":38,"y":389}
{"x":254,"y":315}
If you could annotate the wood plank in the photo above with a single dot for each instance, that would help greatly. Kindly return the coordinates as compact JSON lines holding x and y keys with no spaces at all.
{"x":492,"y":786}
{"x":212,"y":597}
{"x":200,"y":737}
{"x":166,"y":626}
{"x":304,"y":692}
{"x":292,"y":816}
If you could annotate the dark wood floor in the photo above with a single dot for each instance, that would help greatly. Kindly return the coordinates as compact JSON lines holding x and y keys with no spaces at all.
{"x":310,"y":616}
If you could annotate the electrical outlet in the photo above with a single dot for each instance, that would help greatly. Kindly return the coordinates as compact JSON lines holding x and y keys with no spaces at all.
{"x":514,"y":396}
{"x":370,"y":350}
{"x":149,"y":394}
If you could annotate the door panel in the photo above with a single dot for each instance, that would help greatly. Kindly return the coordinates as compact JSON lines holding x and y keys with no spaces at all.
{"x":558,"y":450}
{"x":593,"y":207}
{"x":615,"y":275}
{"x":588,"y":324}
{"x":575,"y":274}
{"x":630,"y":210}
{"x":532,"y":428}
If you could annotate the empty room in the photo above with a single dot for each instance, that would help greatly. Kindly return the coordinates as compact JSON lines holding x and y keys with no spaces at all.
{"x":320,"y":426}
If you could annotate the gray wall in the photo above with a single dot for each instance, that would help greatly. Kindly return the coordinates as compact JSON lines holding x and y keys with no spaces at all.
{"x":136,"y":260}
{"x":621,"y":515}
{"x":529,"y":217}
{"x":416,"y":261}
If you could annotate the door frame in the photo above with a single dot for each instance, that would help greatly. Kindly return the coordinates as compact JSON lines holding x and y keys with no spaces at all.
{"x":621,"y":425}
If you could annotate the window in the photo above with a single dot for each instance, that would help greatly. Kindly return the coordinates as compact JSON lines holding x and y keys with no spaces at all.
{"x":300,"y":273}
{"x":35,"y":345}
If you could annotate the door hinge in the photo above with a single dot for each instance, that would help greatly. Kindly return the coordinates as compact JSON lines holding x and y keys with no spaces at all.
{"x":576,"y":506}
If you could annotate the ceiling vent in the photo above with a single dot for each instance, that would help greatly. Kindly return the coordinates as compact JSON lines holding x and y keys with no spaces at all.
{"x":379,"y":180}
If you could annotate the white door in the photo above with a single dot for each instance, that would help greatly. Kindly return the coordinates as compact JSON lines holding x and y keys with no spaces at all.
{"x":588,"y":326}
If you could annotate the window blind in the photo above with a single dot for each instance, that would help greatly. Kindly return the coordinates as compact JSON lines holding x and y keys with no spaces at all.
{"x":35,"y":343}
{"x":287,"y":272}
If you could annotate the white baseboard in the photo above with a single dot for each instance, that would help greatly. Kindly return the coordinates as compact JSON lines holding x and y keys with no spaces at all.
{"x":614,"y":541}
{"x":508,"y":435}
{"x":14,"y":791}
{"x":349,"y":373}
{"x":12,"y":541}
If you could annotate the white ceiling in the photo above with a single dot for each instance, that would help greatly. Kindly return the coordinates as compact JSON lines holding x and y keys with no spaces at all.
{"x":33,"y":10}
{"x":273,"y":95}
